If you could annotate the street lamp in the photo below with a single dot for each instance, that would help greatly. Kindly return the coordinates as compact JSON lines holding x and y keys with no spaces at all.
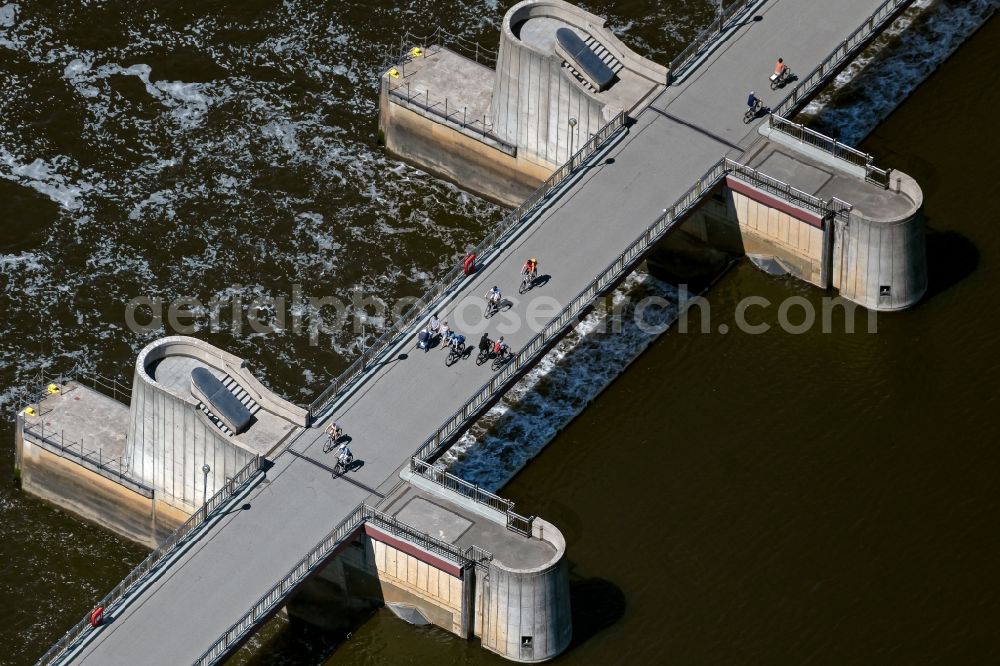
{"x":204,"y":488}
{"x":572,"y":124}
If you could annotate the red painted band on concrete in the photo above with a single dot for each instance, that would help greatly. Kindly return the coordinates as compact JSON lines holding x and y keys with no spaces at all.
{"x":772,"y":202}
{"x":413,"y":551}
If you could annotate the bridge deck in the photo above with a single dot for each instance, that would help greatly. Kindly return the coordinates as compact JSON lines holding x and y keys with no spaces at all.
{"x":215,"y":580}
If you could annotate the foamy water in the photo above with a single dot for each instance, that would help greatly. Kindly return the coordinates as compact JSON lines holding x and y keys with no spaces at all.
{"x":579,"y":368}
{"x":916,"y":44}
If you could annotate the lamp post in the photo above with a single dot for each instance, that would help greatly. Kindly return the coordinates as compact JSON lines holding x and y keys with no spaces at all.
{"x":572,"y":125}
{"x":204,"y":489}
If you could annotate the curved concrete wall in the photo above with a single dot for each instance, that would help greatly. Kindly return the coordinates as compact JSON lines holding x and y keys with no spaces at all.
{"x":169,"y":438}
{"x":525,"y":613}
{"x":534,"y":97}
{"x":882,"y":263}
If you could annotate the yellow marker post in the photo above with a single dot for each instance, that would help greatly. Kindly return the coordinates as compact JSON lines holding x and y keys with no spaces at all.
{"x":416,"y":52}
{"x":394,"y":73}
{"x":53,"y":389}
{"x":30,"y":411}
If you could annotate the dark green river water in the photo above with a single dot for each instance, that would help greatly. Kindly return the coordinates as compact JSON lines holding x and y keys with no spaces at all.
{"x":818,"y":498}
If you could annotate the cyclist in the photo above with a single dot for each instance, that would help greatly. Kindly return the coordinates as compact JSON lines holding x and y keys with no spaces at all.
{"x":457,"y":342}
{"x":335,"y":432}
{"x":780,"y":68}
{"x":485,"y":343}
{"x":753,"y":101}
{"x":344,"y":455}
{"x":493,"y":298}
{"x":499,"y":346}
{"x":530,"y":268}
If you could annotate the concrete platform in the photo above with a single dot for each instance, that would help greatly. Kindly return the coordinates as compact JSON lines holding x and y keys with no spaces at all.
{"x":441,"y":75}
{"x":80,"y":416}
{"x":826,"y":179}
{"x":463,"y":523}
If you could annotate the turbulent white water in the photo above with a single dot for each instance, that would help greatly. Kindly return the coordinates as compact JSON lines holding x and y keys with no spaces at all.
{"x":253,"y":168}
{"x":574,"y":373}
{"x":916,"y":44}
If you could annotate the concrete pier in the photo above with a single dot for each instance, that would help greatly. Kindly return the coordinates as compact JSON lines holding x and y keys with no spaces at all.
{"x":501,"y":131}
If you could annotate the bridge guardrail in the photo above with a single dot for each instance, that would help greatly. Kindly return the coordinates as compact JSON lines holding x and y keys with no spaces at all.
{"x":718,"y":25}
{"x":434,"y":445}
{"x":344,"y":531}
{"x":830,"y":145}
{"x":229,"y":489}
{"x":417,"y":310}
{"x":515,"y":521}
{"x":844,"y":51}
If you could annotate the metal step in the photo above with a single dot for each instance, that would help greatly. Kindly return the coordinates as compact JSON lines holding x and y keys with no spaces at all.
{"x":604,"y":54}
{"x":579,"y":77}
{"x":241,"y":394}
{"x":215,"y":419}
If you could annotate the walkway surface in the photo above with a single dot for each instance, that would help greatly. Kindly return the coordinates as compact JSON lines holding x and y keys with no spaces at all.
{"x":605,"y":207}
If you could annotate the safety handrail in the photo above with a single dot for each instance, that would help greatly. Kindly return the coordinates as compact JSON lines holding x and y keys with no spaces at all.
{"x":515,"y":521}
{"x":417,"y":310}
{"x":718,"y":25}
{"x":229,"y":489}
{"x":106,"y":385}
{"x":833,"y":147}
{"x":836,"y":58}
{"x":461,"y":418}
{"x":440,"y":37}
{"x":345,"y":530}
{"x":114,"y":468}
{"x":450,"y":115}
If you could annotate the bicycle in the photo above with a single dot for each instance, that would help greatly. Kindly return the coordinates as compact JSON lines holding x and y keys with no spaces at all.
{"x":485,"y":354}
{"x":751,"y":113}
{"x":779,"y":80}
{"x":527,"y":282}
{"x":456,"y":352}
{"x":492,"y":307}
{"x":343,"y":464}
{"x":502,"y":358}
{"x":332,"y":438}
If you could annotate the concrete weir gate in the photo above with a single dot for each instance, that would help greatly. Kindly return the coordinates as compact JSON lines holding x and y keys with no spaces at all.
{"x":277,"y":526}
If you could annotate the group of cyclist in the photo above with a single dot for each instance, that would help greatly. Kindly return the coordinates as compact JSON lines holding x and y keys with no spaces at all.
{"x":451,"y":340}
{"x":494,"y":298}
{"x":781,"y":73}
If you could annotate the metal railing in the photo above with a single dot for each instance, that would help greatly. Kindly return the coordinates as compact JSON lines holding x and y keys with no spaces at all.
{"x":114,"y":468}
{"x":840,"y":55}
{"x":718,"y":25}
{"x":37,"y":391}
{"x":418,"y":309}
{"x":346,"y":530}
{"x":761,"y":181}
{"x":435,"y":40}
{"x":515,"y":521}
{"x":454,"y":116}
{"x":833,"y":147}
{"x":229,"y":489}
{"x":569,"y":315}
{"x":455,"y":484}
